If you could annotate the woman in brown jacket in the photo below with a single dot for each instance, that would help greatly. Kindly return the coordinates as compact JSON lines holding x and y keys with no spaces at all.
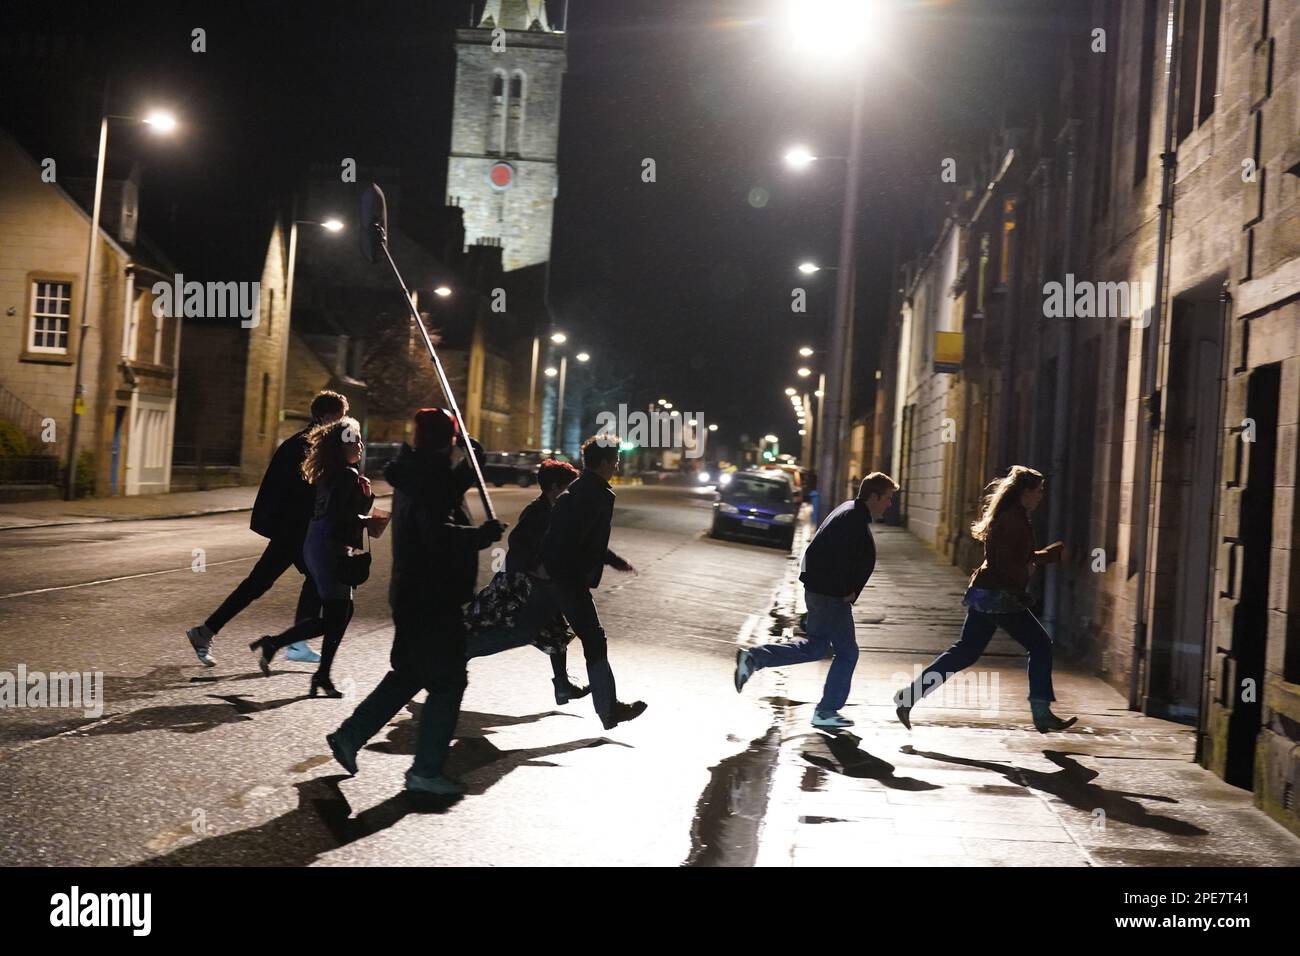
{"x":996,"y":597}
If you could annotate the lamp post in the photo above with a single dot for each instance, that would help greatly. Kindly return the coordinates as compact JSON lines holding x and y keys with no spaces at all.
{"x":829,"y":31}
{"x":161,"y":122}
{"x":332,"y":225}
{"x":559,"y":339}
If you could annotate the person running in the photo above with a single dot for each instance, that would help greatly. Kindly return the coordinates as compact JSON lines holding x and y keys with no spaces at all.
{"x":996,"y":597}
{"x":575,"y":550}
{"x":435,"y":565}
{"x":281,"y":513}
{"x":517,"y":607}
{"x":338,"y":527}
{"x":835,"y":568}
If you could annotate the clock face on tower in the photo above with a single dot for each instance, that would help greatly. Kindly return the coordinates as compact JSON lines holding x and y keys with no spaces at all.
{"x":501,"y":176}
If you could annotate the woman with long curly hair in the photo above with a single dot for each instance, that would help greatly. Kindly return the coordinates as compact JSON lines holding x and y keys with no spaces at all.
{"x":338,"y":527}
{"x":997,"y":597}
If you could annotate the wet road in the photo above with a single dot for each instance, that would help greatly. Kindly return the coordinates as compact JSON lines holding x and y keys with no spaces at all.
{"x":194,"y":766}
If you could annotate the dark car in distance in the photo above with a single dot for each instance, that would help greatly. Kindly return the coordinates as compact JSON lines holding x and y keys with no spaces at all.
{"x":515,"y":467}
{"x":756,"y":505}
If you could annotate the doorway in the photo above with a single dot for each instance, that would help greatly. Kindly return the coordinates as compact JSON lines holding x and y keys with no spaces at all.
{"x":1242,"y":692}
{"x":1186,"y":525}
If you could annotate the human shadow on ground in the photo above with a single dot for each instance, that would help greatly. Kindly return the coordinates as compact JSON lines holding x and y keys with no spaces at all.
{"x":323,"y":819}
{"x":1073,"y":784}
{"x":844,"y":755}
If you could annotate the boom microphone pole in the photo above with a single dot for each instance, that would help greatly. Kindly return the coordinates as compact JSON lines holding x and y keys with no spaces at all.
{"x":374,"y":240}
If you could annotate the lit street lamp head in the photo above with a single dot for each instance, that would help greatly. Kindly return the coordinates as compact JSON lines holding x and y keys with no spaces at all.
{"x":799,"y":157}
{"x":804,"y":372}
{"x":806,"y":351}
{"x":161,"y":121}
{"x":336,"y":225}
{"x":559,"y":338}
{"x":552,"y":372}
{"x":442,"y":291}
{"x":808,"y":268}
{"x":582,"y":357}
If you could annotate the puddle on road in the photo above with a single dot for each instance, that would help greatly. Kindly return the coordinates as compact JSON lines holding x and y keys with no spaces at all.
{"x":730,"y":811}
{"x":731,"y":808}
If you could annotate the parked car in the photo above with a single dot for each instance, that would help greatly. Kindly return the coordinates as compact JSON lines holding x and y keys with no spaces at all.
{"x":756,"y":505}
{"x":378,"y":454}
{"x":794,"y":473}
{"x":511,"y":467}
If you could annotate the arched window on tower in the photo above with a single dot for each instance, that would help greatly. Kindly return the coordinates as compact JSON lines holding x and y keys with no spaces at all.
{"x":518,"y":99}
{"x":496,"y":130}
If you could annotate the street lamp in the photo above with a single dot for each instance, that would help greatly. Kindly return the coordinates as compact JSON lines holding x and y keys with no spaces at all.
{"x":806,"y":351}
{"x":332,"y":225}
{"x":559,"y":338}
{"x":161,"y":122}
{"x":808,"y":268}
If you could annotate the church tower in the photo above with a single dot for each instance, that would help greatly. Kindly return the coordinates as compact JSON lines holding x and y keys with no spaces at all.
{"x":505,"y":129}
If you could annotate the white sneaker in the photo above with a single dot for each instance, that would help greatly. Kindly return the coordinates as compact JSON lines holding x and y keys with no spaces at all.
{"x":831,"y":721}
{"x":200,"y":639}
{"x":441,"y":785}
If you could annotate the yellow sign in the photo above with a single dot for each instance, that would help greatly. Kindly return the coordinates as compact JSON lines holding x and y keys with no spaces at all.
{"x":948,"y":348}
{"x":79,"y":406}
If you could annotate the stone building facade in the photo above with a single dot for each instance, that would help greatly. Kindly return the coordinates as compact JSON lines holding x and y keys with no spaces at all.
{"x":129,"y":367}
{"x":1132,"y":328}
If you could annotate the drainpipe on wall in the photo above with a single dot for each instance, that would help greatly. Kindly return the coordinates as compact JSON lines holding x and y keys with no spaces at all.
{"x":1061,"y":406}
{"x":1147,"y":435}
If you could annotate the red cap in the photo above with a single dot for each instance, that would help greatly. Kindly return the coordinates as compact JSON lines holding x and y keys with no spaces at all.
{"x":435,"y":429}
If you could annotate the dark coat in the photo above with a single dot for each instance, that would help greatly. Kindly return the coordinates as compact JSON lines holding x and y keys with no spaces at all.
{"x":435,"y":548}
{"x":341,"y":503}
{"x":575,"y":549}
{"x":1010,"y":553}
{"x":525,"y":541}
{"x":842,"y":554}
{"x":285,"y":500}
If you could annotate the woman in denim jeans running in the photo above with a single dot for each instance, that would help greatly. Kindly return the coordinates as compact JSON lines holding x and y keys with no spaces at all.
{"x":996,"y":597}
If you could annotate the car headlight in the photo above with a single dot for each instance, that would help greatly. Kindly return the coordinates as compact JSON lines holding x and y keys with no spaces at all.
{"x":704,"y":477}
{"x":784,"y":519}
{"x":724,"y":479}
{"x":727,"y":508}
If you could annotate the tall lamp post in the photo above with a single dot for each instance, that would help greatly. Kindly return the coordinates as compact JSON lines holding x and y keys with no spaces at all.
{"x":559,"y":339}
{"x":331,"y":225}
{"x":824,"y":32}
{"x":161,"y":122}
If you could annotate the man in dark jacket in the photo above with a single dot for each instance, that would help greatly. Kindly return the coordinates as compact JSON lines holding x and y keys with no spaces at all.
{"x":575,"y":551}
{"x":281,"y":513}
{"x":835,"y":568}
{"x":435,"y":566}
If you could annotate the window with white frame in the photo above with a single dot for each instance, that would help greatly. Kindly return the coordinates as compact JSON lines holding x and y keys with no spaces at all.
{"x":51,"y":312}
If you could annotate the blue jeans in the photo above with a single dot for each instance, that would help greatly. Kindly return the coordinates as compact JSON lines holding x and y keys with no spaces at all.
{"x":975,"y":636}
{"x":829,"y":630}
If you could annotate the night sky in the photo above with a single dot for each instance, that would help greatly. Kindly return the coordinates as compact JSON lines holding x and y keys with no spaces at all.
{"x":683,"y":285}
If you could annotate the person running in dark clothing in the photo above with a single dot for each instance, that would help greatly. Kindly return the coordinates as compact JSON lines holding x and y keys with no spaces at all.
{"x":575,"y":551}
{"x":835,"y":568}
{"x":338,"y":527}
{"x":996,"y":597}
{"x":435,"y":565}
{"x":281,"y":513}
{"x":517,"y":607}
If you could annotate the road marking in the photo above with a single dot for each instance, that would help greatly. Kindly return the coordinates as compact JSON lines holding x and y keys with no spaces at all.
{"x":124,"y":577}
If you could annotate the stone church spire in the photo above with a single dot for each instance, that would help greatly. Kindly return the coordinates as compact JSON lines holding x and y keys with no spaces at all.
{"x":515,"y":15}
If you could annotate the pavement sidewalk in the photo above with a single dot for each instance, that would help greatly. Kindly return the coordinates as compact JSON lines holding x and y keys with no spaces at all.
{"x":972,"y":784}
{"x":181,"y":504}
